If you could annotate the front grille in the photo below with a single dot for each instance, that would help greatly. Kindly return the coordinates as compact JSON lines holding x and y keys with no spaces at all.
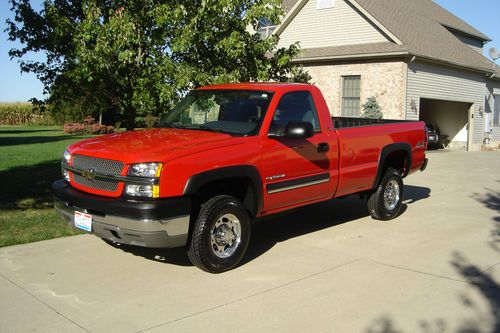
{"x":102,"y":185}
{"x":101,"y":166}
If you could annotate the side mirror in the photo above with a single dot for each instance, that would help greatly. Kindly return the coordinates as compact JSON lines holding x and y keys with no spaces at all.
{"x":299,"y":130}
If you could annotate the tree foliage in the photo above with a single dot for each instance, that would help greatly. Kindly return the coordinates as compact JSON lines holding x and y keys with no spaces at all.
{"x":137,"y":57}
{"x":371,"y":109}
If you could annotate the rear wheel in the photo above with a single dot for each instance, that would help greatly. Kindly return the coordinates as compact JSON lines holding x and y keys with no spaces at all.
{"x":220,"y":235}
{"x":386,"y":201}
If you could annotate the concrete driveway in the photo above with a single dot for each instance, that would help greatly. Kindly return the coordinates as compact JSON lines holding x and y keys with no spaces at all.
{"x":324,"y":268}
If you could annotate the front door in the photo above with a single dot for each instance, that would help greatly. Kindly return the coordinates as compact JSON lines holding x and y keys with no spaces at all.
{"x":295,"y":170}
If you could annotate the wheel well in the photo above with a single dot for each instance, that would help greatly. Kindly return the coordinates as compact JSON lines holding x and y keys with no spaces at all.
{"x":239,"y":187}
{"x":397,"y":160}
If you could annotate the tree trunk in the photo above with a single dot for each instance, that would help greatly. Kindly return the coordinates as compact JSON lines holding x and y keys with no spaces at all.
{"x":130,"y":119}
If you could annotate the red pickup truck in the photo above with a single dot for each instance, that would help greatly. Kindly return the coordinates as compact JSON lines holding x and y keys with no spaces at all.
{"x":225,"y":155}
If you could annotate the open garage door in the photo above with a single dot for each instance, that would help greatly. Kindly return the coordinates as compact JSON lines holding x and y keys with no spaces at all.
{"x":451,"y":118}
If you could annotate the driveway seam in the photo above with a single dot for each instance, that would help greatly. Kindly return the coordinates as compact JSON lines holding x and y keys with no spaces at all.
{"x":42,"y":302}
{"x":249,"y":296}
{"x":491,"y":267}
{"x":420,"y":272}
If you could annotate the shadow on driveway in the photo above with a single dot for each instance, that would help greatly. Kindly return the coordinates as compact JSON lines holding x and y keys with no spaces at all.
{"x":269,"y":231}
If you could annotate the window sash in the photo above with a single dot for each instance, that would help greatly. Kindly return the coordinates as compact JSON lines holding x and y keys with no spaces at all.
{"x":351,"y":93}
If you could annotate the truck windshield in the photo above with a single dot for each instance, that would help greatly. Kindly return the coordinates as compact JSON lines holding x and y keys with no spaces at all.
{"x":238,"y":112}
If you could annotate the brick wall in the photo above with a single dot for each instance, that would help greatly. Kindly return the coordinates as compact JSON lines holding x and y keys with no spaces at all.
{"x":384,"y":80}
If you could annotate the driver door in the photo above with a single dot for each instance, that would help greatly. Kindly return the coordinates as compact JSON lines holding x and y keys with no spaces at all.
{"x":295,"y":170}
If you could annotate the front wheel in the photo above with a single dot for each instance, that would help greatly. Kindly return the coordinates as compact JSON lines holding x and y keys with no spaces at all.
{"x":220,"y":235}
{"x":386,"y":201}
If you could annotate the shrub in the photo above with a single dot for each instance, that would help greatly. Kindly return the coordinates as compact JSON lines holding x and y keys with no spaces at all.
{"x":89,"y":126}
{"x":371,"y":109}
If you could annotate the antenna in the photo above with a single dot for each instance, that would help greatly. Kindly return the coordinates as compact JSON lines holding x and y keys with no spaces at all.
{"x":494,"y":54}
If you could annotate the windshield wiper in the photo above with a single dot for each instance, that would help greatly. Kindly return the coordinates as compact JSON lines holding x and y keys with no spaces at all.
{"x":202,"y":128}
{"x":197,"y":128}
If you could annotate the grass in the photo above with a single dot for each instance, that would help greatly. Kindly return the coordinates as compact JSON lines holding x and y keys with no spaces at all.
{"x":29,"y":163}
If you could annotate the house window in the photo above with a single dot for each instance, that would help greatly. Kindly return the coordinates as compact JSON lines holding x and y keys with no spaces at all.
{"x":496,"y":110}
{"x":265,"y":28}
{"x":351,"y":92}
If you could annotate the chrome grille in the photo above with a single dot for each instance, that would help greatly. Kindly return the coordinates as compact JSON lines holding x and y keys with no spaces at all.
{"x":97,"y":184}
{"x":101,"y":166}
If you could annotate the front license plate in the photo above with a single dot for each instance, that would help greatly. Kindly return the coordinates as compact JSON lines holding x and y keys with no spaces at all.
{"x":83,"y":221}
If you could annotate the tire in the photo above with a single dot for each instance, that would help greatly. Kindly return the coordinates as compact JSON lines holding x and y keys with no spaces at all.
{"x":387,"y":207}
{"x":220,"y":235}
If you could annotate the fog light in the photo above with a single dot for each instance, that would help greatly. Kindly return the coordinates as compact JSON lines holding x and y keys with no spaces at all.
{"x":65,"y":174}
{"x":146,"y":191}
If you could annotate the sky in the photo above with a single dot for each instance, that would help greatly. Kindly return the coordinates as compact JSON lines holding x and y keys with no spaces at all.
{"x":484,"y":15}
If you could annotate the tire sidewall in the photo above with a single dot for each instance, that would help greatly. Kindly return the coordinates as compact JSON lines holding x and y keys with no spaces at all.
{"x":384,"y":212}
{"x":222,"y":264}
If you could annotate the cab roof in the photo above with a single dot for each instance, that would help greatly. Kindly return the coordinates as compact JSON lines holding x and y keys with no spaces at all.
{"x":267,"y":86}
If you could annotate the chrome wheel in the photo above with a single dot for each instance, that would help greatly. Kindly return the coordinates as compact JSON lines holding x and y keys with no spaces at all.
{"x":391,"y":195}
{"x":226,"y":236}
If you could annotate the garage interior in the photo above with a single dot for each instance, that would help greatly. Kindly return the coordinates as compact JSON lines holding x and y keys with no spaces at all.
{"x":452,"y":119}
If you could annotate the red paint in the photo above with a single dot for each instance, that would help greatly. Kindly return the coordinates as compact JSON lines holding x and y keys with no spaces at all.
{"x":352,"y":160}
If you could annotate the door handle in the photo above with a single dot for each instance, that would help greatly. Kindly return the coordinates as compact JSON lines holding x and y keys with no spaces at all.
{"x":323,"y":147}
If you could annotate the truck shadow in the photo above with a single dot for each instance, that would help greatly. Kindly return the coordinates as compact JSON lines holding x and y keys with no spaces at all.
{"x":267,"y":232}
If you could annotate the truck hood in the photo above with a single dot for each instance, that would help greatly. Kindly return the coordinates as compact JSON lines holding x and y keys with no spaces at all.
{"x":152,"y":145}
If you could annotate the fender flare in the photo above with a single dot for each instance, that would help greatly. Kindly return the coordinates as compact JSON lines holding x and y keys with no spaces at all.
{"x":386,"y":151}
{"x":195,"y":182}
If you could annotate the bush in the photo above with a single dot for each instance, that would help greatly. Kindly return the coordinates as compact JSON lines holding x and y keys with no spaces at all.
{"x":89,"y":126}
{"x":371,"y":109}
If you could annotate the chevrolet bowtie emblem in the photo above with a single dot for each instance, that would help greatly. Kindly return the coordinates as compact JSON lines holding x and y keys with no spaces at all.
{"x":89,"y":174}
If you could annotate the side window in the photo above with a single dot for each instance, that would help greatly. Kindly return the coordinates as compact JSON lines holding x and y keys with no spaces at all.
{"x":295,"y":106}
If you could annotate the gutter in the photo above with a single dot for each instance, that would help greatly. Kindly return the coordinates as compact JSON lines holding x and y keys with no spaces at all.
{"x":392,"y":55}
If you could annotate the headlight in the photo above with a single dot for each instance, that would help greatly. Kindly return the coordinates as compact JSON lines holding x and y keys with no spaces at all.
{"x":66,"y":156}
{"x":145,"y":170}
{"x":66,"y":159}
{"x":150,"y":170}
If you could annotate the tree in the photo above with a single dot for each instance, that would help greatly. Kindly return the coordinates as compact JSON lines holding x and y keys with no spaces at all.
{"x":371,"y":109}
{"x":138,"y":57}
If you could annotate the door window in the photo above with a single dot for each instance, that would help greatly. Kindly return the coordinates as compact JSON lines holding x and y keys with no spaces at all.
{"x":294,"y":106}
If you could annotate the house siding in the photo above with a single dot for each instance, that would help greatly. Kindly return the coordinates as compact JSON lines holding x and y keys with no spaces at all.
{"x":340,"y":25}
{"x":492,"y":88}
{"x":384,"y":80}
{"x":447,"y":84}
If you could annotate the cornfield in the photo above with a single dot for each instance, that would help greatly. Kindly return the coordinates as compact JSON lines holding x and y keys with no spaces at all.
{"x":22,"y":114}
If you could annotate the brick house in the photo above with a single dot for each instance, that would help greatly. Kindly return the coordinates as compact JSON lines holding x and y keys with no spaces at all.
{"x":416,"y":58}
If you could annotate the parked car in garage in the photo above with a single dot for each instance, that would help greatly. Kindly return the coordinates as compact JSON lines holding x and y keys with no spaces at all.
{"x":432,"y":133}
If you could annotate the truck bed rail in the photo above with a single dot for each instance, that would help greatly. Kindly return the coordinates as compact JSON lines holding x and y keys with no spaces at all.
{"x":343,"y":122}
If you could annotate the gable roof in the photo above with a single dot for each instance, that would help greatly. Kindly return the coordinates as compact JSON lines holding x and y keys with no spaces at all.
{"x":420,"y":26}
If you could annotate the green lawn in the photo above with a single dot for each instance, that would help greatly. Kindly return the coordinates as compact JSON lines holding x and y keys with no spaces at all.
{"x":29,"y":163}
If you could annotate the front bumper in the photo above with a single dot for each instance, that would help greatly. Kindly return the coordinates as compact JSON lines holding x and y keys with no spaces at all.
{"x":155,"y":223}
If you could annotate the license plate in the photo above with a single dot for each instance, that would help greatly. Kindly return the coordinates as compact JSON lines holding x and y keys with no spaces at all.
{"x":83,"y":221}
